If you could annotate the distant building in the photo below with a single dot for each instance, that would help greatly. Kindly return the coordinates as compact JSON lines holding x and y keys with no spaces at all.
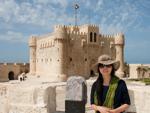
{"x":139,"y":70}
{"x":10,"y":71}
{"x":73,"y":50}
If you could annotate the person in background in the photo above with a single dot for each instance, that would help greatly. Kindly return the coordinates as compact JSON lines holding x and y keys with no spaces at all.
{"x":109,"y":94}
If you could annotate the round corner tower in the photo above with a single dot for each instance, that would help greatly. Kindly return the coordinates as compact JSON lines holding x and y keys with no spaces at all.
{"x":61,"y":42}
{"x":32,"y":45}
{"x":119,"y":45}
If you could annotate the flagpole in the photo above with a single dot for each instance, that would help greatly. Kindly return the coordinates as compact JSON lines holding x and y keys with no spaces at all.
{"x":76,"y":6}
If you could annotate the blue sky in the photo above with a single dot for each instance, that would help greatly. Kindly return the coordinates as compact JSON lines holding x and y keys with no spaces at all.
{"x":19,"y":19}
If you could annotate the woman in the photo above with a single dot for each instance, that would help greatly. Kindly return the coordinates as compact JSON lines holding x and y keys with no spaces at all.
{"x":109,"y":94}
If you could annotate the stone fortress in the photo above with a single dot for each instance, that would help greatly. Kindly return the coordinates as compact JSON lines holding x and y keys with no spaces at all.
{"x":73,"y":50}
{"x":68,"y":51}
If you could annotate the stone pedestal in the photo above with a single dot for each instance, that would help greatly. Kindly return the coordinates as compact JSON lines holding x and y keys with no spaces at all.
{"x":76,"y":95}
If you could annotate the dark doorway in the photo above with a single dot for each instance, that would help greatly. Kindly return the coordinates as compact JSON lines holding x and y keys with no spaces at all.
{"x":11,"y":75}
{"x":92,"y":74}
{"x":26,"y":71}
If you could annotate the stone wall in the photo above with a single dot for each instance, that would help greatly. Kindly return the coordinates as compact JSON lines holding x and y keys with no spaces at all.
{"x":21,"y":97}
{"x":12,"y":68}
{"x":133,"y":70}
{"x":45,"y":97}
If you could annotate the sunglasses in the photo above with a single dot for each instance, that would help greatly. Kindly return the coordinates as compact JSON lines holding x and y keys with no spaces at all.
{"x":103,"y":65}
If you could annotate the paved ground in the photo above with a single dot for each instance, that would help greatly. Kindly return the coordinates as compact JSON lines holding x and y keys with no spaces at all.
{"x":87,"y":111}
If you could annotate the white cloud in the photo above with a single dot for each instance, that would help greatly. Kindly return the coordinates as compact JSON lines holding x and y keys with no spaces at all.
{"x":42,"y":12}
{"x":113,"y":15}
{"x":62,"y":3}
{"x":6,"y":9}
{"x":13,"y":37}
{"x":39,"y":13}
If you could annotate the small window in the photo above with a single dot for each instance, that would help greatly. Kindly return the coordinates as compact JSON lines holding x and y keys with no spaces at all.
{"x":85,"y":59}
{"x":70,"y":59}
{"x":94,"y":37}
{"x":91,"y":36}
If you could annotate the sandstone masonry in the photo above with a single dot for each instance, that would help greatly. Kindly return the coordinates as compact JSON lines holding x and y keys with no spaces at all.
{"x":72,"y":50}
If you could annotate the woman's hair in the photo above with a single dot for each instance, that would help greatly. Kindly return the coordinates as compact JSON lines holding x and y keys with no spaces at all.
{"x":99,"y":84}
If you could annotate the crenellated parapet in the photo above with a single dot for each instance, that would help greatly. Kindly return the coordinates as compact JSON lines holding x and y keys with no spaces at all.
{"x":60,"y":28}
{"x":78,"y":33}
{"x":119,"y":39}
{"x":32,"y":41}
{"x":7,"y":64}
{"x":107,"y":37}
{"x":60,"y":31}
{"x":91,"y":26}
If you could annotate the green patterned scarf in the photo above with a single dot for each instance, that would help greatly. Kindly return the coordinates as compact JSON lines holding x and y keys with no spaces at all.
{"x":109,"y":100}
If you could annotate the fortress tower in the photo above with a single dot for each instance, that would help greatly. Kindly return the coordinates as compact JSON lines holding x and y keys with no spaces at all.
{"x":119,"y":44}
{"x":32,"y":45}
{"x":72,"y":50}
{"x":60,"y":40}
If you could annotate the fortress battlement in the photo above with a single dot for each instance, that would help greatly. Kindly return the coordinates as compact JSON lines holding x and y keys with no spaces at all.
{"x":8,"y":63}
{"x":32,"y":41}
{"x":71,"y":28}
{"x":76,"y":33}
{"x":107,"y":37}
{"x":89,"y":25}
{"x":119,"y":38}
{"x":119,"y":35}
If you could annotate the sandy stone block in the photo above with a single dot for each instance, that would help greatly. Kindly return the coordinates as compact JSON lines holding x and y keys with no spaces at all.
{"x":60,"y":98}
{"x":21,"y":94}
{"x":51,"y":99}
{"x":4,"y":100}
{"x":26,"y":109}
{"x":76,"y":89}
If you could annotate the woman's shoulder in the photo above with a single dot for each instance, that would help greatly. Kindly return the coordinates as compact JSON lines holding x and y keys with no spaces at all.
{"x":122,"y":83}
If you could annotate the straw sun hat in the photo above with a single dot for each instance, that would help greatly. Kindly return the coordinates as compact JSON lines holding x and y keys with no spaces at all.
{"x":106,"y":60}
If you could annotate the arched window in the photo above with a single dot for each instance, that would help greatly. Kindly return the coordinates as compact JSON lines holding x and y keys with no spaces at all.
{"x":91,"y":36}
{"x":94,"y":37}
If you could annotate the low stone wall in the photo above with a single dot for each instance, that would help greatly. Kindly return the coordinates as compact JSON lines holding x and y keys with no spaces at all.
{"x":140,"y":98}
{"x":24,"y":97}
{"x":40,"y":97}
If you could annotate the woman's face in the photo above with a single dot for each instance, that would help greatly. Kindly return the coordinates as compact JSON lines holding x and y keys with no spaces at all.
{"x":105,"y":69}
